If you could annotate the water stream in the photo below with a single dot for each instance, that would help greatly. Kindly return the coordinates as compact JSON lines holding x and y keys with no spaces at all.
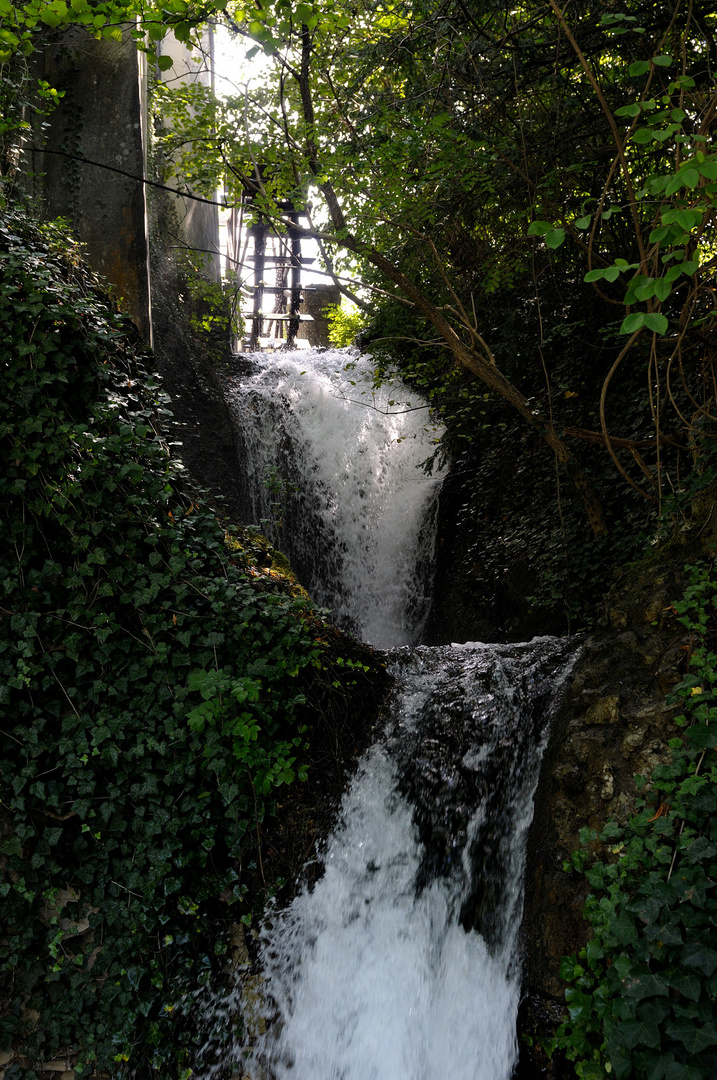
{"x":401,"y":962}
{"x":331,"y":468}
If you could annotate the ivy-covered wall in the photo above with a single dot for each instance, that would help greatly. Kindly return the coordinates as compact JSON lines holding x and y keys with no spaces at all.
{"x":163,"y":687}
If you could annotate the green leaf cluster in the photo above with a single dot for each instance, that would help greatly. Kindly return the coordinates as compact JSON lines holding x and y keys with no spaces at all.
{"x":490,"y":167}
{"x":642,"y":996}
{"x":153,"y":684}
{"x":346,"y":321}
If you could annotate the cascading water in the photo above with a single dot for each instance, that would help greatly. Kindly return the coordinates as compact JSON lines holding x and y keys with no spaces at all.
{"x":332,"y":470}
{"x":400,"y":963}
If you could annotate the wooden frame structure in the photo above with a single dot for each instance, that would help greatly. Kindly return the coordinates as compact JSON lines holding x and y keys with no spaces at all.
{"x":287,"y":262}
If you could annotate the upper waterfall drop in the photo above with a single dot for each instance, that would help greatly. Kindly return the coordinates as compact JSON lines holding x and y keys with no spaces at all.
{"x":332,"y":470}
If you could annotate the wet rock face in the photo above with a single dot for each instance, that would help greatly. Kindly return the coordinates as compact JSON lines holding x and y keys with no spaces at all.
{"x":470,"y":749}
{"x":614,"y":723}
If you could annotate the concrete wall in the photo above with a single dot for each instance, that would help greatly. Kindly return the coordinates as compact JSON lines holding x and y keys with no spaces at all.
{"x":102,"y":117}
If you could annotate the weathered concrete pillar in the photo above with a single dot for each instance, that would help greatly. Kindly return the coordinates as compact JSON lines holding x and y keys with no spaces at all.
{"x":197,"y":222}
{"x":102,"y":117}
{"x":317,"y":298}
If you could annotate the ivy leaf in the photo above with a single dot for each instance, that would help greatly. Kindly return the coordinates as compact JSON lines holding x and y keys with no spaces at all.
{"x":686,"y":983}
{"x":699,"y":956}
{"x":640,"y":67}
{"x":639,"y":1033}
{"x":623,"y":929}
{"x":706,"y":800}
{"x":703,"y":736}
{"x":11,"y":845}
{"x":667,"y":935}
{"x":662,"y":61}
{"x":676,"y":1070}
{"x":647,"y":908}
{"x":619,"y":1057}
{"x":645,"y":985}
{"x":694,"y":1037}
{"x":591,"y":1070}
{"x":555,"y":238}
{"x":700,"y":849}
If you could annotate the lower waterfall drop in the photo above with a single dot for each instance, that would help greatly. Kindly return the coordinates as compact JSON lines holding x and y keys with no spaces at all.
{"x":400,"y":963}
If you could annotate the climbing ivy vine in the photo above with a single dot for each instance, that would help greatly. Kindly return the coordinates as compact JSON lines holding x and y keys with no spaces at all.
{"x":153,"y":688}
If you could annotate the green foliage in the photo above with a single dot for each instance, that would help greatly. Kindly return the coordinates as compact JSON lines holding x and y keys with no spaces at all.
{"x":153,"y":685}
{"x":538,"y":149}
{"x":214,"y":308}
{"x":212,"y":317}
{"x":25,"y":103}
{"x":22,"y":25}
{"x":541,"y":152}
{"x":219,"y":714}
{"x":346,"y":321}
{"x":642,"y":998}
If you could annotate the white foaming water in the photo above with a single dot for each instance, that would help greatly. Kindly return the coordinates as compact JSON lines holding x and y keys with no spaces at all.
{"x":400,"y":963}
{"x":332,"y":472}
{"x":372,"y":982}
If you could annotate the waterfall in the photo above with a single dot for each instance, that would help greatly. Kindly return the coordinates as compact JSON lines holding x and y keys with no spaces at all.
{"x":331,"y":468}
{"x":400,"y":963}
